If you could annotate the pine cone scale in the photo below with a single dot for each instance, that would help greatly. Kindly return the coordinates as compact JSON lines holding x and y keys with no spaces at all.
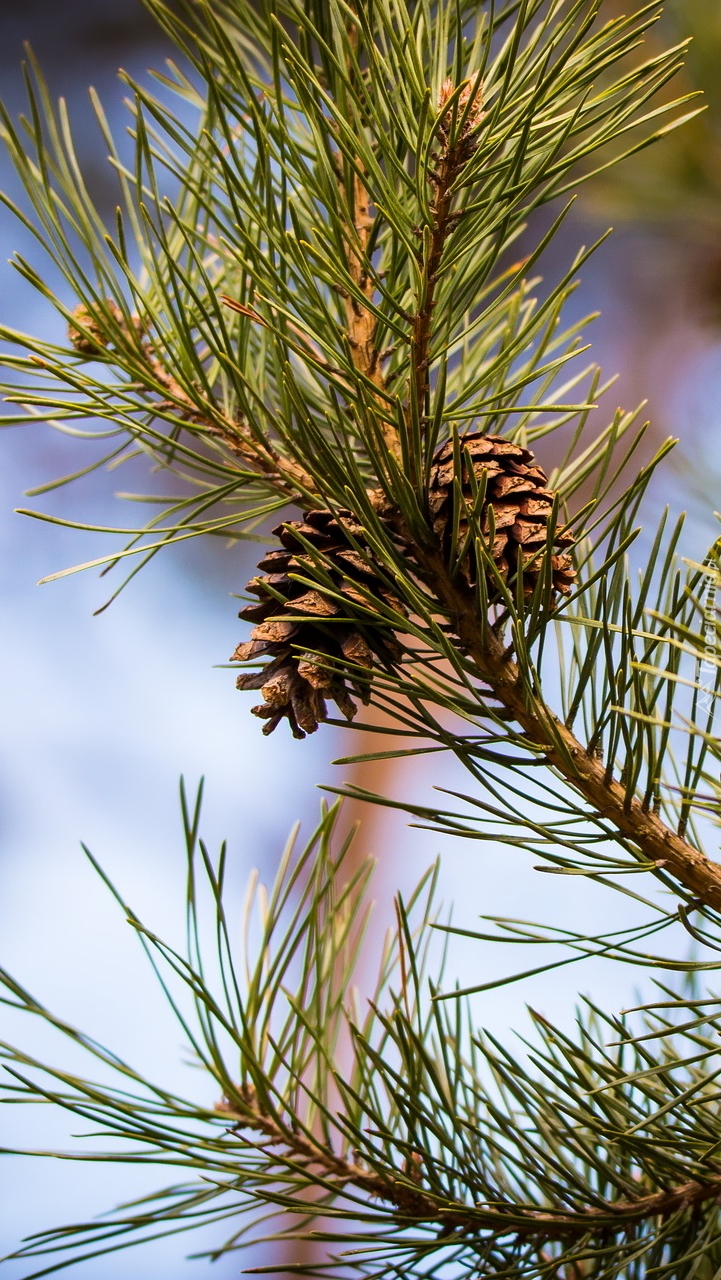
{"x":257,"y":612}
{"x":249,"y":650}
{"x":512,"y":484}
{"x":504,"y":517}
{"x":314,"y":605}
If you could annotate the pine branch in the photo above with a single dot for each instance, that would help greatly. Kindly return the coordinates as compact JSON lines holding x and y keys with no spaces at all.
{"x":362,"y":323}
{"x":340,"y":1173}
{"x":328,"y":315}
{"x":288,"y":480}
{"x":589,"y":1157}
{"x":470,"y":176}
{"x":460,"y":117}
{"x":415,"y":1206}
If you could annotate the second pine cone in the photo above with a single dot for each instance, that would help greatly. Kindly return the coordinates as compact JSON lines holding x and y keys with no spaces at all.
{"x":516,"y":509}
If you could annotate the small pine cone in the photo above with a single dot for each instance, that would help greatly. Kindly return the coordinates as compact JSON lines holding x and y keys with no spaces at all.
{"x":91,"y":340}
{"x":296,"y":626}
{"x":515,"y":510}
{"x":466,"y":143}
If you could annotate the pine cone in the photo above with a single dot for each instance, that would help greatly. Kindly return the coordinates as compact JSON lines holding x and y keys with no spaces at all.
{"x":466,"y":143}
{"x":297,"y":626}
{"x":517,"y":506}
{"x":92,"y":340}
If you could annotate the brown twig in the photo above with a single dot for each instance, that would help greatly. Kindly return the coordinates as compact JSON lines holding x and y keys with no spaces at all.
{"x":452,"y":158}
{"x":90,"y":337}
{"x":504,"y":1220}
{"x":362,"y":323}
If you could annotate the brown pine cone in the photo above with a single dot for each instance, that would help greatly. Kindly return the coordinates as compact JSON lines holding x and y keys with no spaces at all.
{"x":515,"y":511}
{"x":298,"y":626}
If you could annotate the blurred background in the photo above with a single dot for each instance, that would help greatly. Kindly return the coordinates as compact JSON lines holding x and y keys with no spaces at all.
{"x":100,"y":715}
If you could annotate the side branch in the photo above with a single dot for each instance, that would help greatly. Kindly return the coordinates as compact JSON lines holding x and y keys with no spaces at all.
{"x":362,"y":324}
{"x":412,"y":1203}
{"x":289,"y":479}
{"x":454,"y":155}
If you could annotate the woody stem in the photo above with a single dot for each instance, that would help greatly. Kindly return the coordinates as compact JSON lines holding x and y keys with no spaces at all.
{"x":413,"y":1203}
{"x":422,"y":323}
